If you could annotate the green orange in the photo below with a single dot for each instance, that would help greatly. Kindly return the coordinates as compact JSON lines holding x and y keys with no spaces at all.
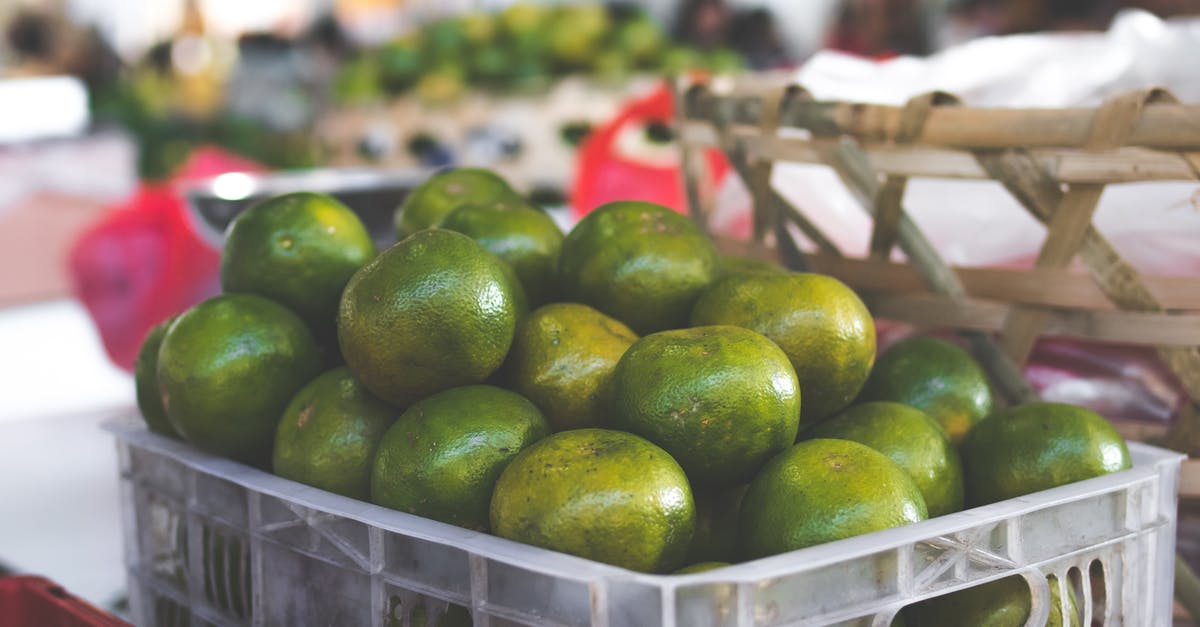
{"x":562,"y":359}
{"x":520,"y":234}
{"x":909,"y":437}
{"x":722,"y":400}
{"x":431,"y":201}
{"x":227,"y":369}
{"x":433,"y":312}
{"x":443,"y":455}
{"x":328,"y":434}
{"x":638,"y":262}
{"x":604,"y":495}
{"x":936,"y":377}
{"x":1002,"y":603}
{"x":145,"y":379}
{"x":700,"y":567}
{"x":1038,"y":446}
{"x":824,"y":490}
{"x":297,"y":249}
{"x":822,"y":325}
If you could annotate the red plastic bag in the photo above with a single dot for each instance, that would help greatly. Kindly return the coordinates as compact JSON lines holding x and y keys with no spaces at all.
{"x":616,"y":162}
{"x":143,"y":262}
{"x":36,"y":602}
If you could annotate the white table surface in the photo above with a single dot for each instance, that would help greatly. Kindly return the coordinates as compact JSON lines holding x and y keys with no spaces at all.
{"x":59,"y":507}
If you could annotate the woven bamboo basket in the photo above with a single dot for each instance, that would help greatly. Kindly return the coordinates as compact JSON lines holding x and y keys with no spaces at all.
{"x":1054,"y":162}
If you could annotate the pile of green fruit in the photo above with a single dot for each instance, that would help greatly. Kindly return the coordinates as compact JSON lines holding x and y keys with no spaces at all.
{"x":621,"y":393}
{"x":519,"y":48}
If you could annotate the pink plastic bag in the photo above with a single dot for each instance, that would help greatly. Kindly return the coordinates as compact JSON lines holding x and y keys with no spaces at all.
{"x":143,"y":262}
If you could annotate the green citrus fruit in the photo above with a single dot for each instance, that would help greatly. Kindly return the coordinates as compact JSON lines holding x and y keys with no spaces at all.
{"x":721,"y":400}
{"x":604,"y":495}
{"x":433,"y":312}
{"x":227,"y":369}
{"x":443,"y":455}
{"x":562,"y":359}
{"x":820,"y":323}
{"x":909,"y":437}
{"x":639,"y":262}
{"x":299,"y":250}
{"x":524,"y":18}
{"x":520,"y":234}
{"x":1002,"y":603}
{"x":328,"y":435}
{"x":936,"y":377}
{"x":1038,"y":446}
{"x":145,"y":380}
{"x":430,"y":202}
{"x":824,"y":490}
{"x":641,"y":38}
{"x":700,"y":567}
{"x":748,"y":265}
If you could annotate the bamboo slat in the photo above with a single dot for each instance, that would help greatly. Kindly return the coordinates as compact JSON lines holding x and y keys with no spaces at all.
{"x":1068,"y":165}
{"x":1168,"y":126}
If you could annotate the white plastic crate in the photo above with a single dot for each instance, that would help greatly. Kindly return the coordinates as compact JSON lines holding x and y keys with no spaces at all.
{"x":213,"y":542}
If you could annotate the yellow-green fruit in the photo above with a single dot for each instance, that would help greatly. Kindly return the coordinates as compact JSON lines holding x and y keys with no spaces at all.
{"x":639,"y":262}
{"x":433,"y":312}
{"x":936,"y":377}
{"x":520,"y":234}
{"x":716,"y":535}
{"x":821,"y":324}
{"x":328,"y":435}
{"x":747,"y":265}
{"x":1002,"y":603}
{"x":145,"y":381}
{"x":430,"y":202}
{"x":1038,"y":446}
{"x":819,"y":491}
{"x":299,"y":250}
{"x":700,"y":567}
{"x":909,"y":437}
{"x":562,"y":359}
{"x":604,"y":495}
{"x":721,"y":400}
{"x":228,"y":367}
{"x":442,"y":457}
